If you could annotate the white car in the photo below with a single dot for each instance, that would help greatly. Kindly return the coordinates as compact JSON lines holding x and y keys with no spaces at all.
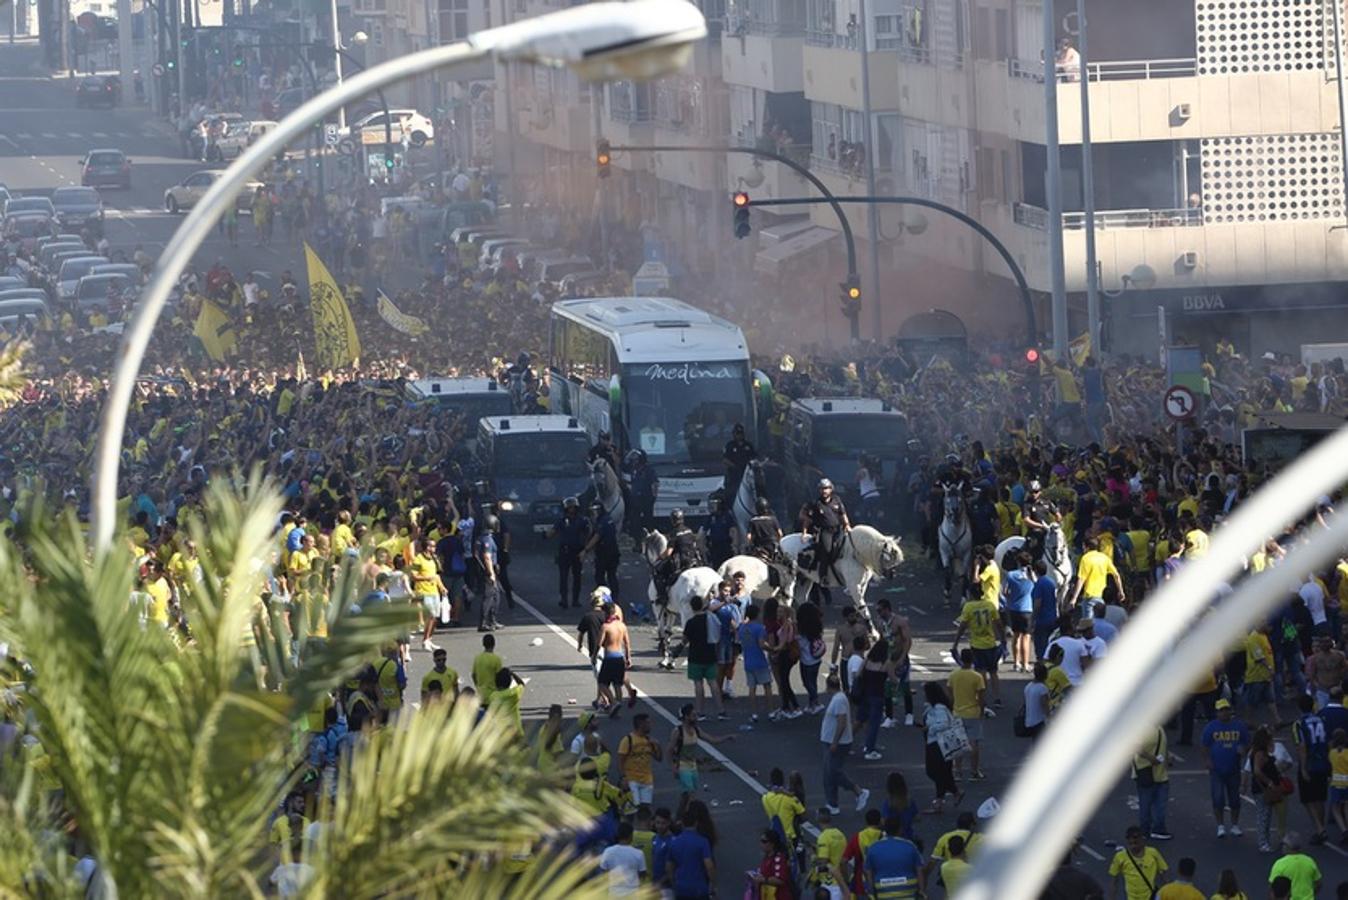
{"x":187,"y":192}
{"x":409,"y":122}
{"x":238,"y":137}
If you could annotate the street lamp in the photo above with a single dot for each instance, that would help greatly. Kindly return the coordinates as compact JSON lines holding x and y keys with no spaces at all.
{"x":605,"y":40}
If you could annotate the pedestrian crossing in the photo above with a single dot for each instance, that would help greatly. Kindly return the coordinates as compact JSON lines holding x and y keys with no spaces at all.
{"x":71,"y":135}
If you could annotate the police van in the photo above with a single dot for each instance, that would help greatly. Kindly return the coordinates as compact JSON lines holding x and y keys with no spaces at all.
{"x":826,"y":437}
{"x":531,"y":464}
{"x":471,"y":398}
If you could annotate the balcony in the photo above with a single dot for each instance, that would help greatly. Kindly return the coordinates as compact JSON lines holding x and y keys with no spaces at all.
{"x":1114,"y":70}
{"x":1034,"y":217}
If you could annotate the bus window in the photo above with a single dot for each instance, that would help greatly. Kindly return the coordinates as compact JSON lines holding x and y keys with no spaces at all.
{"x":686,"y":412}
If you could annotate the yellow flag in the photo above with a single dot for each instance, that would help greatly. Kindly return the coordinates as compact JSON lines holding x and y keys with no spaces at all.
{"x":335,"y":337}
{"x":1080,"y":348}
{"x":399,"y":320}
{"x":215,"y":331}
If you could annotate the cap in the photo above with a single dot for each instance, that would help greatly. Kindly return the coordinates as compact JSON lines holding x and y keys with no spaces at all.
{"x":1223,"y":704}
{"x":1035,"y":485}
{"x":989,"y":808}
{"x":1270,"y":356}
{"x":825,"y":483}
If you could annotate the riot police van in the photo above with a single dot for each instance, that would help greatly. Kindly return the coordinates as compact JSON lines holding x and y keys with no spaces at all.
{"x":471,"y":398}
{"x":531,"y":464}
{"x":826,"y":438}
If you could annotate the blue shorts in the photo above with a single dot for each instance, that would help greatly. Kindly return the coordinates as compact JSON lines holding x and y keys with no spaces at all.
{"x":1258,"y":692}
{"x":758,"y":677}
{"x":1338,"y":795}
{"x":1225,"y":790}
{"x":688,"y":780}
{"x":987,"y":660}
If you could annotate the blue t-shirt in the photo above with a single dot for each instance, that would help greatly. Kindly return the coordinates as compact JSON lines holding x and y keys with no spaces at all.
{"x":1019,"y":591}
{"x":1309,"y":731}
{"x":294,"y":537}
{"x":689,"y":852}
{"x":750,"y":634}
{"x":1225,"y":742}
{"x":1045,"y":592}
{"x":892,"y":864}
{"x":907,"y":815}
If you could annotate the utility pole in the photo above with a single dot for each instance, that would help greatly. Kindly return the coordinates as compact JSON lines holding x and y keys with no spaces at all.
{"x":872,"y":212}
{"x":337,"y":59}
{"x":177,"y":32}
{"x":601,"y":207}
{"x":512,"y":179}
{"x":124,"y":51}
{"x":1088,"y":188}
{"x":1053,"y":184}
{"x":1343,"y":103}
{"x":66,"y":30}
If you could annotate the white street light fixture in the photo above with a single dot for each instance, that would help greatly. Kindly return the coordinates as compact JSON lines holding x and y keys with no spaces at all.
{"x":640,"y":39}
{"x":359,"y":39}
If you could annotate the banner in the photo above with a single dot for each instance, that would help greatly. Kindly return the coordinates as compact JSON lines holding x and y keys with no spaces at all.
{"x":215,"y":331}
{"x":399,"y":320}
{"x":336,"y":340}
{"x":1080,"y":348}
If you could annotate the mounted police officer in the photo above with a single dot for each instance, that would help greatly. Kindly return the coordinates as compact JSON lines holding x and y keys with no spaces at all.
{"x":683,"y":552}
{"x":720,"y":533}
{"x":825,"y":518}
{"x":737,"y":455}
{"x":573,"y":530}
{"x":1037,"y":513}
{"x":604,"y":542}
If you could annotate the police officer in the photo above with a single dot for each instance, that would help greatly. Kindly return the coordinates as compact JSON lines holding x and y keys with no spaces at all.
{"x":737,"y":456}
{"x":826,"y":519}
{"x":573,"y":531}
{"x":765,"y":533}
{"x":683,"y":553}
{"x":645,"y":483}
{"x":720,"y":533}
{"x":1037,"y":514}
{"x":503,"y":541}
{"x":604,"y":542}
{"x":605,"y":449}
{"x":488,"y":557}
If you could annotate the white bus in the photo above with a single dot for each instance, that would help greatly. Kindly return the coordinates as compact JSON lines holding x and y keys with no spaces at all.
{"x":659,"y":375}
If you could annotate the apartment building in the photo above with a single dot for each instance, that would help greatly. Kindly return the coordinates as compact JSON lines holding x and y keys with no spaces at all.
{"x":1218,"y":181}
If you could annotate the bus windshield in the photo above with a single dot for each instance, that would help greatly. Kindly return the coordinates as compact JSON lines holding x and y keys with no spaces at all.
{"x":684,"y":412}
{"x":849,"y":437}
{"x":541,"y":455}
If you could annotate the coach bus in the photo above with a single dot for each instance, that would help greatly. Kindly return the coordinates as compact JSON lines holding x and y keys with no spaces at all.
{"x":660,"y":376}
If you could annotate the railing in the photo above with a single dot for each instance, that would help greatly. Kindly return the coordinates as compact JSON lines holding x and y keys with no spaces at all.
{"x":629,"y":115}
{"x":1034,"y":217}
{"x":738,"y":26}
{"x":830,"y":39}
{"x":797,"y":153}
{"x":1115,"y":70}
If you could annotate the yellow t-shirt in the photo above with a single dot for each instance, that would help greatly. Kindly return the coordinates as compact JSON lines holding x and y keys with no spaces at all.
{"x":1187,"y":505}
{"x":1258,"y":658}
{"x":971,"y":842}
{"x":982,"y":619}
{"x":786,"y":808}
{"x":990,"y":582}
{"x":1058,"y":685}
{"x":1198,"y":543}
{"x":637,"y":753}
{"x":1177,"y":891}
{"x":1141,"y":539}
{"x":485,"y":666}
{"x":1094,"y":569}
{"x":830,"y":846}
{"x":280,"y":830}
{"x":342,"y":537}
{"x":423,"y":573}
{"x":964,"y":687}
{"x":389,"y":694}
{"x":1338,"y":764}
{"x":507,"y":700}
{"x":301,"y":562}
{"x":953,"y":873}
{"x":1137,"y":877}
{"x":159,"y":600}
{"x":448,"y":680}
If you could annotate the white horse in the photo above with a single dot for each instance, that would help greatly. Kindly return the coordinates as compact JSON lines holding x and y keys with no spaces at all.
{"x":744,"y":505}
{"x":956,"y":540}
{"x":1056,"y":557}
{"x":758,"y":578}
{"x":699,"y":581}
{"x":865,"y":553}
{"x":608,"y":491}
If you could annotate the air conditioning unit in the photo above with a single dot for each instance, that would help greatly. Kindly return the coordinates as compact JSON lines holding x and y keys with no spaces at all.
{"x":1189,"y":259}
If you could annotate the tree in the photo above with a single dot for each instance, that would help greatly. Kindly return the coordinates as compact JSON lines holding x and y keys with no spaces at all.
{"x":162,"y":757}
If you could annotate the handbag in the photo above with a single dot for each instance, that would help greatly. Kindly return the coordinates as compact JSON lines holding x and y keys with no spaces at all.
{"x":953,"y":741}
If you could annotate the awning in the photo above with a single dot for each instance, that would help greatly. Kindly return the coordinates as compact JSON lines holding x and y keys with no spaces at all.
{"x":774,"y":260}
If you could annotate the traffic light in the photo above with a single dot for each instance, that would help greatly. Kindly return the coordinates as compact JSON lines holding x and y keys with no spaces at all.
{"x":238,"y":57}
{"x":602,"y":157}
{"x":1032,"y":356}
{"x":171,"y":64}
{"x":741,"y":202}
{"x":850,"y":297}
{"x":388,"y":162}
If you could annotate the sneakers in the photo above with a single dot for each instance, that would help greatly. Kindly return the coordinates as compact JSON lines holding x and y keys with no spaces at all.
{"x":978,"y":775}
{"x":908,"y":719}
{"x":864,"y":796}
{"x":1234,"y":831}
{"x":1265,"y":848}
{"x":722,"y":716}
{"x":832,"y":810}
{"x":989,"y":714}
{"x":1221,"y":831}
{"x":873,"y":755}
{"x":753,"y":718}
{"x":888,"y":723}
{"x":429,"y":646}
{"x":1161,"y":836}
{"x":793,"y":714}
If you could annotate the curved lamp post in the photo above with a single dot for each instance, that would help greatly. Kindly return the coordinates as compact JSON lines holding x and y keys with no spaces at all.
{"x":1149,"y":670}
{"x":640,"y":39}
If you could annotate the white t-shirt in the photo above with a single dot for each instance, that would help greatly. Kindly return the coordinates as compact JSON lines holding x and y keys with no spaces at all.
{"x":624,"y":865}
{"x":290,"y":878}
{"x":1315,"y":601}
{"x":1074,"y":650}
{"x":854,"y":664}
{"x":1036,"y":703}
{"x":828,"y":728}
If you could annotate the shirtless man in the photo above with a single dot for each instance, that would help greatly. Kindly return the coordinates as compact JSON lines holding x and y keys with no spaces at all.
{"x":372,"y":567}
{"x":1325,"y":669}
{"x":616,"y":651}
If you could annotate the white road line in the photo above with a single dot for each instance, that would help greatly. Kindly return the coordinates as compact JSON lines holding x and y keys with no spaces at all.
{"x":99,"y":134}
{"x":74,"y":134}
{"x":8,"y":141}
{"x":23,"y":135}
{"x":48,"y":134}
{"x":1089,"y":852}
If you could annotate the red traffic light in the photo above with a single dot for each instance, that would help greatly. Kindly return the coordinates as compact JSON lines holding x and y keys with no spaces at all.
{"x":1032,"y":355}
{"x":740,"y":198}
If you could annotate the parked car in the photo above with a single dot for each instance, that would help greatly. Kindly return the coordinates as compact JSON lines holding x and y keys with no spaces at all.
{"x":98,"y":90}
{"x":17,"y":205}
{"x":71,"y":271}
{"x":23,"y":294}
{"x":106,"y":168}
{"x":553,"y":271}
{"x":77,"y":207}
{"x":130,"y":270}
{"x":185,"y":194}
{"x":26,"y":229}
{"x":93,"y":291}
{"x":50,"y":251}
{"x":418,"y":128}
{"x":20,"y":310}
{"x":238,"y":137}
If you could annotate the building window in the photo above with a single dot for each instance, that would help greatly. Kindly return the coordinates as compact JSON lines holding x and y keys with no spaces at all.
{"x":837,"y":137}
{"x":453,"y":20}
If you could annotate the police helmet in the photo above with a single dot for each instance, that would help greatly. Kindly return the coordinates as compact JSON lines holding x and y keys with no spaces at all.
{"x":825,"y":483}
{"x":491,"y":524}
{"x":676,"y":518}
{"x":571,"y":503}
{"x":763,"y":506}
{"x":953,"y":459}
{"x":1035,"y":485}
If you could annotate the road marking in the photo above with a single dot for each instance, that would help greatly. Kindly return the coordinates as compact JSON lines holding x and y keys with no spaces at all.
{"x":23,"y":135}
{"x":74,"y":134}
{"x":1085,"y":848}
{"x":8,"y":141}
{"x":99,"y":134}
{"x":48,"y":134}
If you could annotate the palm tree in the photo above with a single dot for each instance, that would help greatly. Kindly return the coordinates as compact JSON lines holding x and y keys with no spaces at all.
{"x":161,"y":759}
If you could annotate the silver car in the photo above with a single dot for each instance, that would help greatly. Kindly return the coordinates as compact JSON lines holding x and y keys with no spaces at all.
{"x":72,"y":270}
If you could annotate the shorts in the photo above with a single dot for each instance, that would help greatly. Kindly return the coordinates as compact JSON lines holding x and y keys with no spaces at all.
{"x":1022,"y":622}
{"x":432,"y":604}
{"x":987,"y":660}
{"x":974,"y":729}
{"x":689,"y":780}
{"x":1313,"y":787}
{"x":758,"y":677}
{"x":1338,"y":795}
{"x":701,"y":671}
{"x":1225,"y":790}
{"x":725,"y":654}
{"x":453,"y":586}
{"x":612,"y":670}
{"x":641,"y":792}
{"x":1258,"y":692}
